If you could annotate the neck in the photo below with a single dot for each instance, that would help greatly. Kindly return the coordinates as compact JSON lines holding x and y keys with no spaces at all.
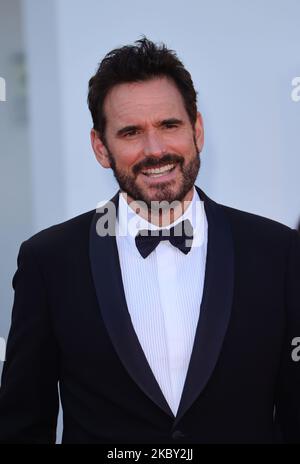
{"x":160,"y":216}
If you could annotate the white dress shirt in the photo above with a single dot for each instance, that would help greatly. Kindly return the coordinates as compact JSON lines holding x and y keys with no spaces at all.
{"x":163,"y":294}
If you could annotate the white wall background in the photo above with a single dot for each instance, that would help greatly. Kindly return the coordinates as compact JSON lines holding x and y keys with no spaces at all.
{"x":242,"y":54}
{"x":16,"y":209}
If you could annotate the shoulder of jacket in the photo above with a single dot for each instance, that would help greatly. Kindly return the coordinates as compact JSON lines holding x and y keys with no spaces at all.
{"x":63,"y":235}
{"x":258,"y":227}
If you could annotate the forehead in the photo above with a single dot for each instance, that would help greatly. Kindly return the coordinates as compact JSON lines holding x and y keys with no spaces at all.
{"x":157,"y":98}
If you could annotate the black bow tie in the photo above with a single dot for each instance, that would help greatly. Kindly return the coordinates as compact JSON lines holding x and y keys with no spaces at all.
{"x":181,"y":236}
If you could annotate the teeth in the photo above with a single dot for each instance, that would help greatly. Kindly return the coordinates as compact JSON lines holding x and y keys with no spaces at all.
{"x":166,"y":168}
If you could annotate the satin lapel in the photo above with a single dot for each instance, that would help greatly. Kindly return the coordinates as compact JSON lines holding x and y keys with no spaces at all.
{"x":108,"y":283}
{"x":215,"y":307}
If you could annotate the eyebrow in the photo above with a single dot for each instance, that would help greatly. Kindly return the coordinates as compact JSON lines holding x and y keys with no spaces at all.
{"x":179,"y":122}
{"x":164,"y":122}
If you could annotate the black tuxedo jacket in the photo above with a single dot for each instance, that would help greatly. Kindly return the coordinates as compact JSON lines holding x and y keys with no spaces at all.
{"x":71,"y":326}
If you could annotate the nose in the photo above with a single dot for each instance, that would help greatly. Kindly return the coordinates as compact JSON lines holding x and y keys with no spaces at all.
{"x":154,"y":145}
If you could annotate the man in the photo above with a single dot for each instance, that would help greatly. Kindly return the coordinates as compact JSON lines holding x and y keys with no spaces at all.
{"x":163,"y":316}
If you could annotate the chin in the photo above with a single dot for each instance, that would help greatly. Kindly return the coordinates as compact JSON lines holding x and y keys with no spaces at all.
{"x":162,"y":193}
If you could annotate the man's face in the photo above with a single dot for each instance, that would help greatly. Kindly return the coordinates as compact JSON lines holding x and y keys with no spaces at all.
{"x":150,"y":142}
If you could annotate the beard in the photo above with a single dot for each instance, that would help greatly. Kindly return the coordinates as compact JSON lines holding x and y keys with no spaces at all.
{"x":163,"y":190}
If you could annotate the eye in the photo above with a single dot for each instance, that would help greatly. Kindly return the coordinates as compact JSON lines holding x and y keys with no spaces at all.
{"x":170,"y":125}
{"x":130,"y":133}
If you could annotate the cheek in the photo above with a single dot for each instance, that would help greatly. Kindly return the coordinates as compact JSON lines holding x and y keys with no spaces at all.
{"x":126,"y":158}
{"x":181,"y":143}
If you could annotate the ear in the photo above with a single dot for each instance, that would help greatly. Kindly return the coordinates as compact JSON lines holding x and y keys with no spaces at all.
{"x":199,"y":132}
{"x":99,"y":149}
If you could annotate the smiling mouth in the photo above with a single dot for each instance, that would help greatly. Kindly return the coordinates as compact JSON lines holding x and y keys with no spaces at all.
{"x":158,"y":172}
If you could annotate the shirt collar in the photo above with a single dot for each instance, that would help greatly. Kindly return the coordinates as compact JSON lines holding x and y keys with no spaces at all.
{"x":129,"y":223}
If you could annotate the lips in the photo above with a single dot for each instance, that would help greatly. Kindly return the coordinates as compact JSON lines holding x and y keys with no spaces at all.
{"x":154,"y":178}
{"x":159,"y":171}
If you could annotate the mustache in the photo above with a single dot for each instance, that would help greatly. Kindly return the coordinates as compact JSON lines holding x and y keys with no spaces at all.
{"x":155,"y":162}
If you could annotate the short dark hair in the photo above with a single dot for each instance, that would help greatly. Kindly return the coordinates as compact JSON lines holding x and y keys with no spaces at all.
{"x":136,"y":63}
